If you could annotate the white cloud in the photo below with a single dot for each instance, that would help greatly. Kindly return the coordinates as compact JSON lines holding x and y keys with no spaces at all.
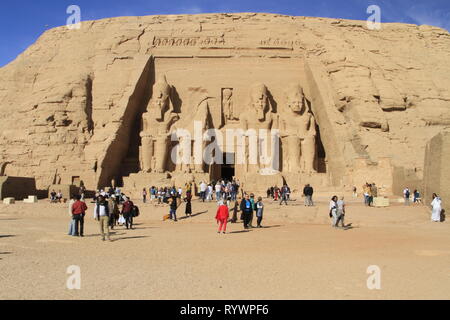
{"x":429,"y":17}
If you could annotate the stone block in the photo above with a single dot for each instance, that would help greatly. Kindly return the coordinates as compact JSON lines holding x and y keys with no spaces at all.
{"x":381,"y":202}
{"x":9,"y":201}
{"x":31,"y":199}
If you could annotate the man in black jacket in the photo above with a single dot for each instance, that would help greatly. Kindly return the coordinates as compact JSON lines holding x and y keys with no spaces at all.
{"x":247,"y":210}
{"x":308,"y":193}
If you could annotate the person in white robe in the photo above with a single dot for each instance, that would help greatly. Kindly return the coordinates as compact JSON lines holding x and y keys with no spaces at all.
{"x":436,"y":205}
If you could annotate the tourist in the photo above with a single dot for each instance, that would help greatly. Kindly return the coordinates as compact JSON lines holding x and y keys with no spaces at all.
{"x":406,"y":195}
{"x":72,"y":220}
{"x":308,"y":192}
{"x":284,"y":192}
{"x":333,"y":210}
{"x":203,"y":187}
{"x":113,"y":209}
{"x":276,"y":193}
{"x":152,"y":193}
{"x":59,"y":196}
{"x":188,"y":200}
{"x":79,"y":211}
{"x":417,"y":198}
{"x":127,"y":212}
{"x":236,"y":209}
{"x":259,"y":212}
{"x":209,"y":191}
{"x":218,"y":191}
{"x":222,"y":217}
{"x":253,"y":201}
{"x":340,"y":204}
{"x":53,"y":196}
{"x":247,"y":210}
{"x":173,"y":206}
{"x":355,"y":193}
{"x":436,"y":204}
{"x":366,"y":194}
{"x":288,"y":193}
{"x":144,"y":195}
{"x":102,"y":216}
{"x":369,"y":195}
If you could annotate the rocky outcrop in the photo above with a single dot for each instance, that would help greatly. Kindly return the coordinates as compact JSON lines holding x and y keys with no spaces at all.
{"x":69,"y":102}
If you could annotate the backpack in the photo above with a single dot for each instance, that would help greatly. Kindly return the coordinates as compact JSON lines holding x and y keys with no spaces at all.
{"x":135,"y":211}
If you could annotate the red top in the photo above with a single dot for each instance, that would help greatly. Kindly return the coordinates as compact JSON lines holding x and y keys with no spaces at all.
{"x":127,"y":206}
{"x":79,"y":207}
{"x":222,"y":213}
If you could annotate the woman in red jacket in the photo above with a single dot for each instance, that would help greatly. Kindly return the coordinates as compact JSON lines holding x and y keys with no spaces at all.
{"x":222,"y":217}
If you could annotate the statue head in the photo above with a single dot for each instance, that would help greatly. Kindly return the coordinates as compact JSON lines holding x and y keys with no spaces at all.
{"x":259,"y":100}
{"x":161,"y":96}
{"x":227,"y":94}
{"x":296,"y":98}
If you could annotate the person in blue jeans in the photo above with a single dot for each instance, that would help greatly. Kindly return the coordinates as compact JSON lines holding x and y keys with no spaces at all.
{"x":173,"y":208}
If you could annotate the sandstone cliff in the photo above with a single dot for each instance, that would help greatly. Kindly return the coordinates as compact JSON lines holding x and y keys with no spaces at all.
{"x":68,"y":102}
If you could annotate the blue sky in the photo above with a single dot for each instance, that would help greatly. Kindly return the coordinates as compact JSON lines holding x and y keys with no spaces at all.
{"x":23,"y":21}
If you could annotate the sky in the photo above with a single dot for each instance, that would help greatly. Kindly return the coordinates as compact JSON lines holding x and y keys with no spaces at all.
{"x":23,"y":21}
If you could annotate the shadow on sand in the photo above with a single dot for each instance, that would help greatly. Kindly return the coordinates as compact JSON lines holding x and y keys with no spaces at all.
{"x":7,"y":236}
{"x":194,"y":215}
{"x":128,"y":238}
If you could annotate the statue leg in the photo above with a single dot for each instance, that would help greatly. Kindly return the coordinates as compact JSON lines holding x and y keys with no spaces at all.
{"x":161,"y":154}
{"x":309,"y":153}
{"x":147,"y":154}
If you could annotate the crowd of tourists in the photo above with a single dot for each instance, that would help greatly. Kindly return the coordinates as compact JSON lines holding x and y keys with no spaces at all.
{"x":111,"y":208}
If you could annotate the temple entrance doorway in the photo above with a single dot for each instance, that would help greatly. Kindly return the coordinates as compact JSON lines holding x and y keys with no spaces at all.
{"x":227,"y":170}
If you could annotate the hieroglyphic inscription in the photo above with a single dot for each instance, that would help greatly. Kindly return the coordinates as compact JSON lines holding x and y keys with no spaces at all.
{"x":170,"y":41}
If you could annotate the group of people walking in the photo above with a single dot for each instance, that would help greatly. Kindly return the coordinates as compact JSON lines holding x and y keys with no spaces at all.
{"x":110,"y":210}
{"x":221,"y":190}
{"x":248,"y":206}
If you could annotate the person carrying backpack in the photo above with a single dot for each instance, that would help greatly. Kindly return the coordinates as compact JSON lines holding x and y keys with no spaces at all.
{"x":127,"y":212}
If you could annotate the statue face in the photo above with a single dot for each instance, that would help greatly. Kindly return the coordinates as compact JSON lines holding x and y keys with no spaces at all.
{"x":296,"y":101}
{"x":160,"y":98}
{"x":260,"y":101}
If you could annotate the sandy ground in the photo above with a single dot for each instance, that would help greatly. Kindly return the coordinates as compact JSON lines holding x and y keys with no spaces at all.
{"x":297,"y":256}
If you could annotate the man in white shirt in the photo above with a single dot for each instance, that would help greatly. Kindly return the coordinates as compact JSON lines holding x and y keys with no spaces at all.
{"x":218,"y":191}
{"x":406,"y":195}
{"x":203,"y":187}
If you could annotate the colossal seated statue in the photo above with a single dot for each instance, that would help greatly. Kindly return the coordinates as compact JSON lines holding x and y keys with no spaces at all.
{"x":157,"y":122}
{"x":258,"y":116}
{"x":298,"y":133}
